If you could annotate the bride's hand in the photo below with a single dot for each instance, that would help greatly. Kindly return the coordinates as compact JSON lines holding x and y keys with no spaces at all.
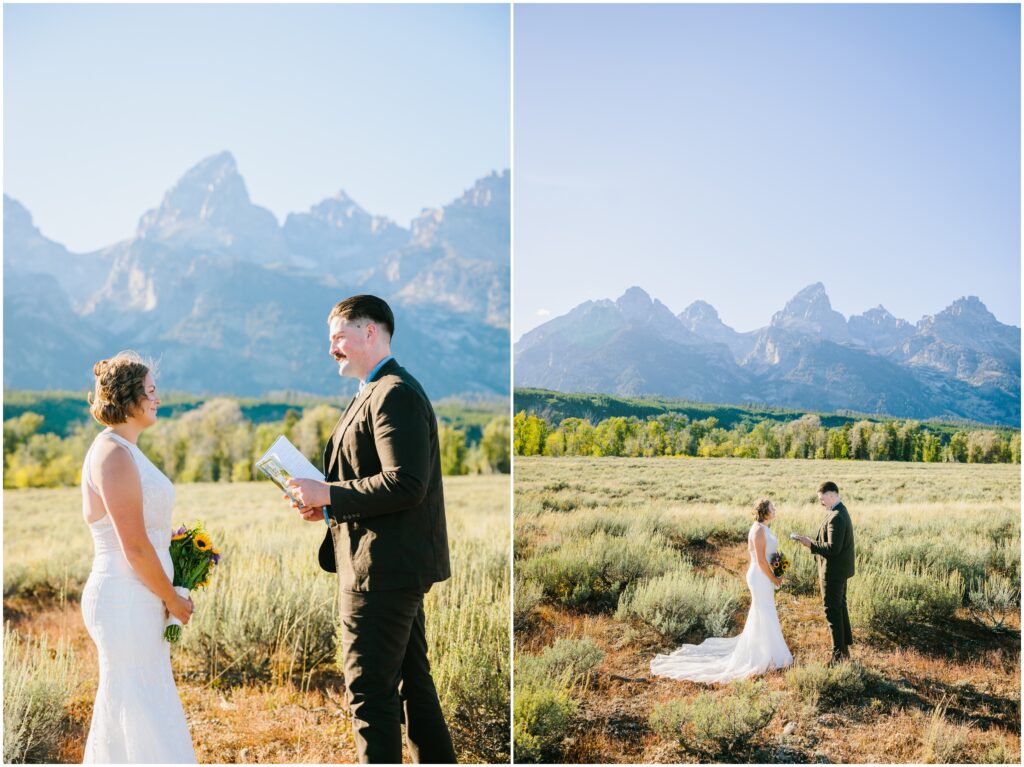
{"x":777,"y":581}
{"x":181,"y":608}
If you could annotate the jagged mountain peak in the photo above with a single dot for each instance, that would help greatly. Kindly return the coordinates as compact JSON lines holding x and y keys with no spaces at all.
{"x":478,"y":218}
{"x":699,"y":313}
{"x":487,"y":190}
{"x":879,"y":311}
{"x":809,"y":301}
{"x":213,"y":179}
{"x":16,"y":214}
{"x":634,"y":297}
{"x":969,"y":307}
{"x":702,"y":318}
{"x":879,"y":316}
{"x":212,"y":192}
{"x":340,"y":205}
{"x":966,"y":310}
{"x":22,"y":237}
{"x":215,"y":166}
{"x":811,"y":312}
{"x":208,"y":263}
{"x":638,"y":308}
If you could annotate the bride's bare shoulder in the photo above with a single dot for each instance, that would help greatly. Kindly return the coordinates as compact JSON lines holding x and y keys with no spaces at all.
{"x":110,"y":457}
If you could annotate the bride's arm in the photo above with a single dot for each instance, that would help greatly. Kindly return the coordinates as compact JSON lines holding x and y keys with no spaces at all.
{"x":121,"y":490}
{"x":760,"y":544}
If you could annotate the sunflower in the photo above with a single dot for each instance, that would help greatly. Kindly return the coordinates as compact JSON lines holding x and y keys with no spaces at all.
{"x":178,"y":536}
{"x":201,"y":542}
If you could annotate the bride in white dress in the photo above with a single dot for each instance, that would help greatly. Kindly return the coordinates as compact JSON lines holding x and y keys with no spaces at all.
{"x":761,"y":646}
{"x":127,"y":503}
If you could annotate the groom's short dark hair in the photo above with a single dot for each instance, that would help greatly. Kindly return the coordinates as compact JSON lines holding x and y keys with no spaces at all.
{"x":828,"y":487}
{"x":365,"y":307}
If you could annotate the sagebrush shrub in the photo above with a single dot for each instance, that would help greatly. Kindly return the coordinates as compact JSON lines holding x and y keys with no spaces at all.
{"x":528,"y":594}
{"x":718,"y":725}
{"x":821,"y":686}
{"x":992,"y":601}
{"x":891,"y":598}
{"x":572,"y":657}
{"x":682,"y":601}
{"x":248,"y":626}
{"x":38,"y":684}
{"x":469,"y":649}
{"x":594,"y":571}
{"x":547,"y":687}
{"x":543,"y":709}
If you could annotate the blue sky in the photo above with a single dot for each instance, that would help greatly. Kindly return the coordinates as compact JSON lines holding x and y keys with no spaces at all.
{"x":738,"y":153}
{"x":105,"y":107}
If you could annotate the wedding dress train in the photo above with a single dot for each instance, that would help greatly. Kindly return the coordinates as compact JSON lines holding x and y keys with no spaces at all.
{"x":138,"y":716}
{"x":759,"y":648}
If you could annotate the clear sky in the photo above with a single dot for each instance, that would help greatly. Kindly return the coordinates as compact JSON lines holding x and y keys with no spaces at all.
{"x":105,"y":107}
{"x":738,"y":153}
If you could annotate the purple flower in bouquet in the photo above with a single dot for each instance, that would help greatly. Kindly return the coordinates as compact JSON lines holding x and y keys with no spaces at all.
{"x":779,"y":564}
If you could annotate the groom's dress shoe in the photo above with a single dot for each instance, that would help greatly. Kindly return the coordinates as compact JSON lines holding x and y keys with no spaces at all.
{"x":839,"y":656}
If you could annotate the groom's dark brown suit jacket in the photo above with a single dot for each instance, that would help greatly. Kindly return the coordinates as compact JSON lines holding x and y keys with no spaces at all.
{"x":383,"y":463}
{"x":834,"y":546}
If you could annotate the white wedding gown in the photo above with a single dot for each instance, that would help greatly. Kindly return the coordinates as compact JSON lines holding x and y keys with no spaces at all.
{"x":759,"y":648}
{"x":137,"y":717}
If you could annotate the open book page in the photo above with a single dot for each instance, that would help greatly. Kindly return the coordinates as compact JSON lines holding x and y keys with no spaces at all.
{"x":283,"y":461}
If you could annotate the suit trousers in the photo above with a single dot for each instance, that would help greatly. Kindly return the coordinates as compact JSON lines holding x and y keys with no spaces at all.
{"x":833,"y":593}
{"x":383,"y":637}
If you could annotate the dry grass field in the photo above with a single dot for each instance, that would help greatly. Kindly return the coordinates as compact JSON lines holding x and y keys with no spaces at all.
{"x":256,"y":666}
{"x":619,"y":559}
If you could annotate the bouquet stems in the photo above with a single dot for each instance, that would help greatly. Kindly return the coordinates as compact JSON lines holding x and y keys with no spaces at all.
{"x":172,"y":628}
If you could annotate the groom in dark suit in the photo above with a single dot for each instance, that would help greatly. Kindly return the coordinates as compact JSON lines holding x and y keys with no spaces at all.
{"x":387,"y":539}
{"x":835,"y":554}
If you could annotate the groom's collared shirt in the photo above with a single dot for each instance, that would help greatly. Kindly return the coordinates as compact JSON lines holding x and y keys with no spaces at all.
{"x":372,"y":373}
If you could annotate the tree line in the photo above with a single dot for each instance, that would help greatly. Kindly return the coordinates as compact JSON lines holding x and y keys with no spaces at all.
{"x":674,"y":434}
{"x":215,"y":442}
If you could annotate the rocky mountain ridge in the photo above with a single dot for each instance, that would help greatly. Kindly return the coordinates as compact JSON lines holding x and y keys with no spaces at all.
{"x":959,"y":363}
{"x":229,"y":301}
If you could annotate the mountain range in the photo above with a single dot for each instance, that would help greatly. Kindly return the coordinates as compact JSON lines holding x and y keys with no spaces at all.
{"x":961,"y":363}
{"x":228,"y":300}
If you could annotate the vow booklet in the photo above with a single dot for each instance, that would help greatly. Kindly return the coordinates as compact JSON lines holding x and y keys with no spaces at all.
{"x":282,"y":461}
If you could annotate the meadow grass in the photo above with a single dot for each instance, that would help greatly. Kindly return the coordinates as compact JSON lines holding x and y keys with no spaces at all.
{"x":678,"y":602}
{"x":37,"y":684}
{"x":547,"y":689}
{"x":268,"y":618}
{"x":935,"y":606}
{"x":721,"y":726}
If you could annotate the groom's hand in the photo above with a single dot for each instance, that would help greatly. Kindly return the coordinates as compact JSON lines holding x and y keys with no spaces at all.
{"x":803,"y":540}
{"x":312,"y":493}
{"x":308,"y":513}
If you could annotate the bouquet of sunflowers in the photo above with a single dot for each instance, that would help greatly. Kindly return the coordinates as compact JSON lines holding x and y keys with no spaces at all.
{"x":779,"y":564}
{"x":194,"y":558}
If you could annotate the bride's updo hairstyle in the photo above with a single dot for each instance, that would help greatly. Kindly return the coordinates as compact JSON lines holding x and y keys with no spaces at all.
{"x":120,"y":387}
{"x":761,"y":511}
